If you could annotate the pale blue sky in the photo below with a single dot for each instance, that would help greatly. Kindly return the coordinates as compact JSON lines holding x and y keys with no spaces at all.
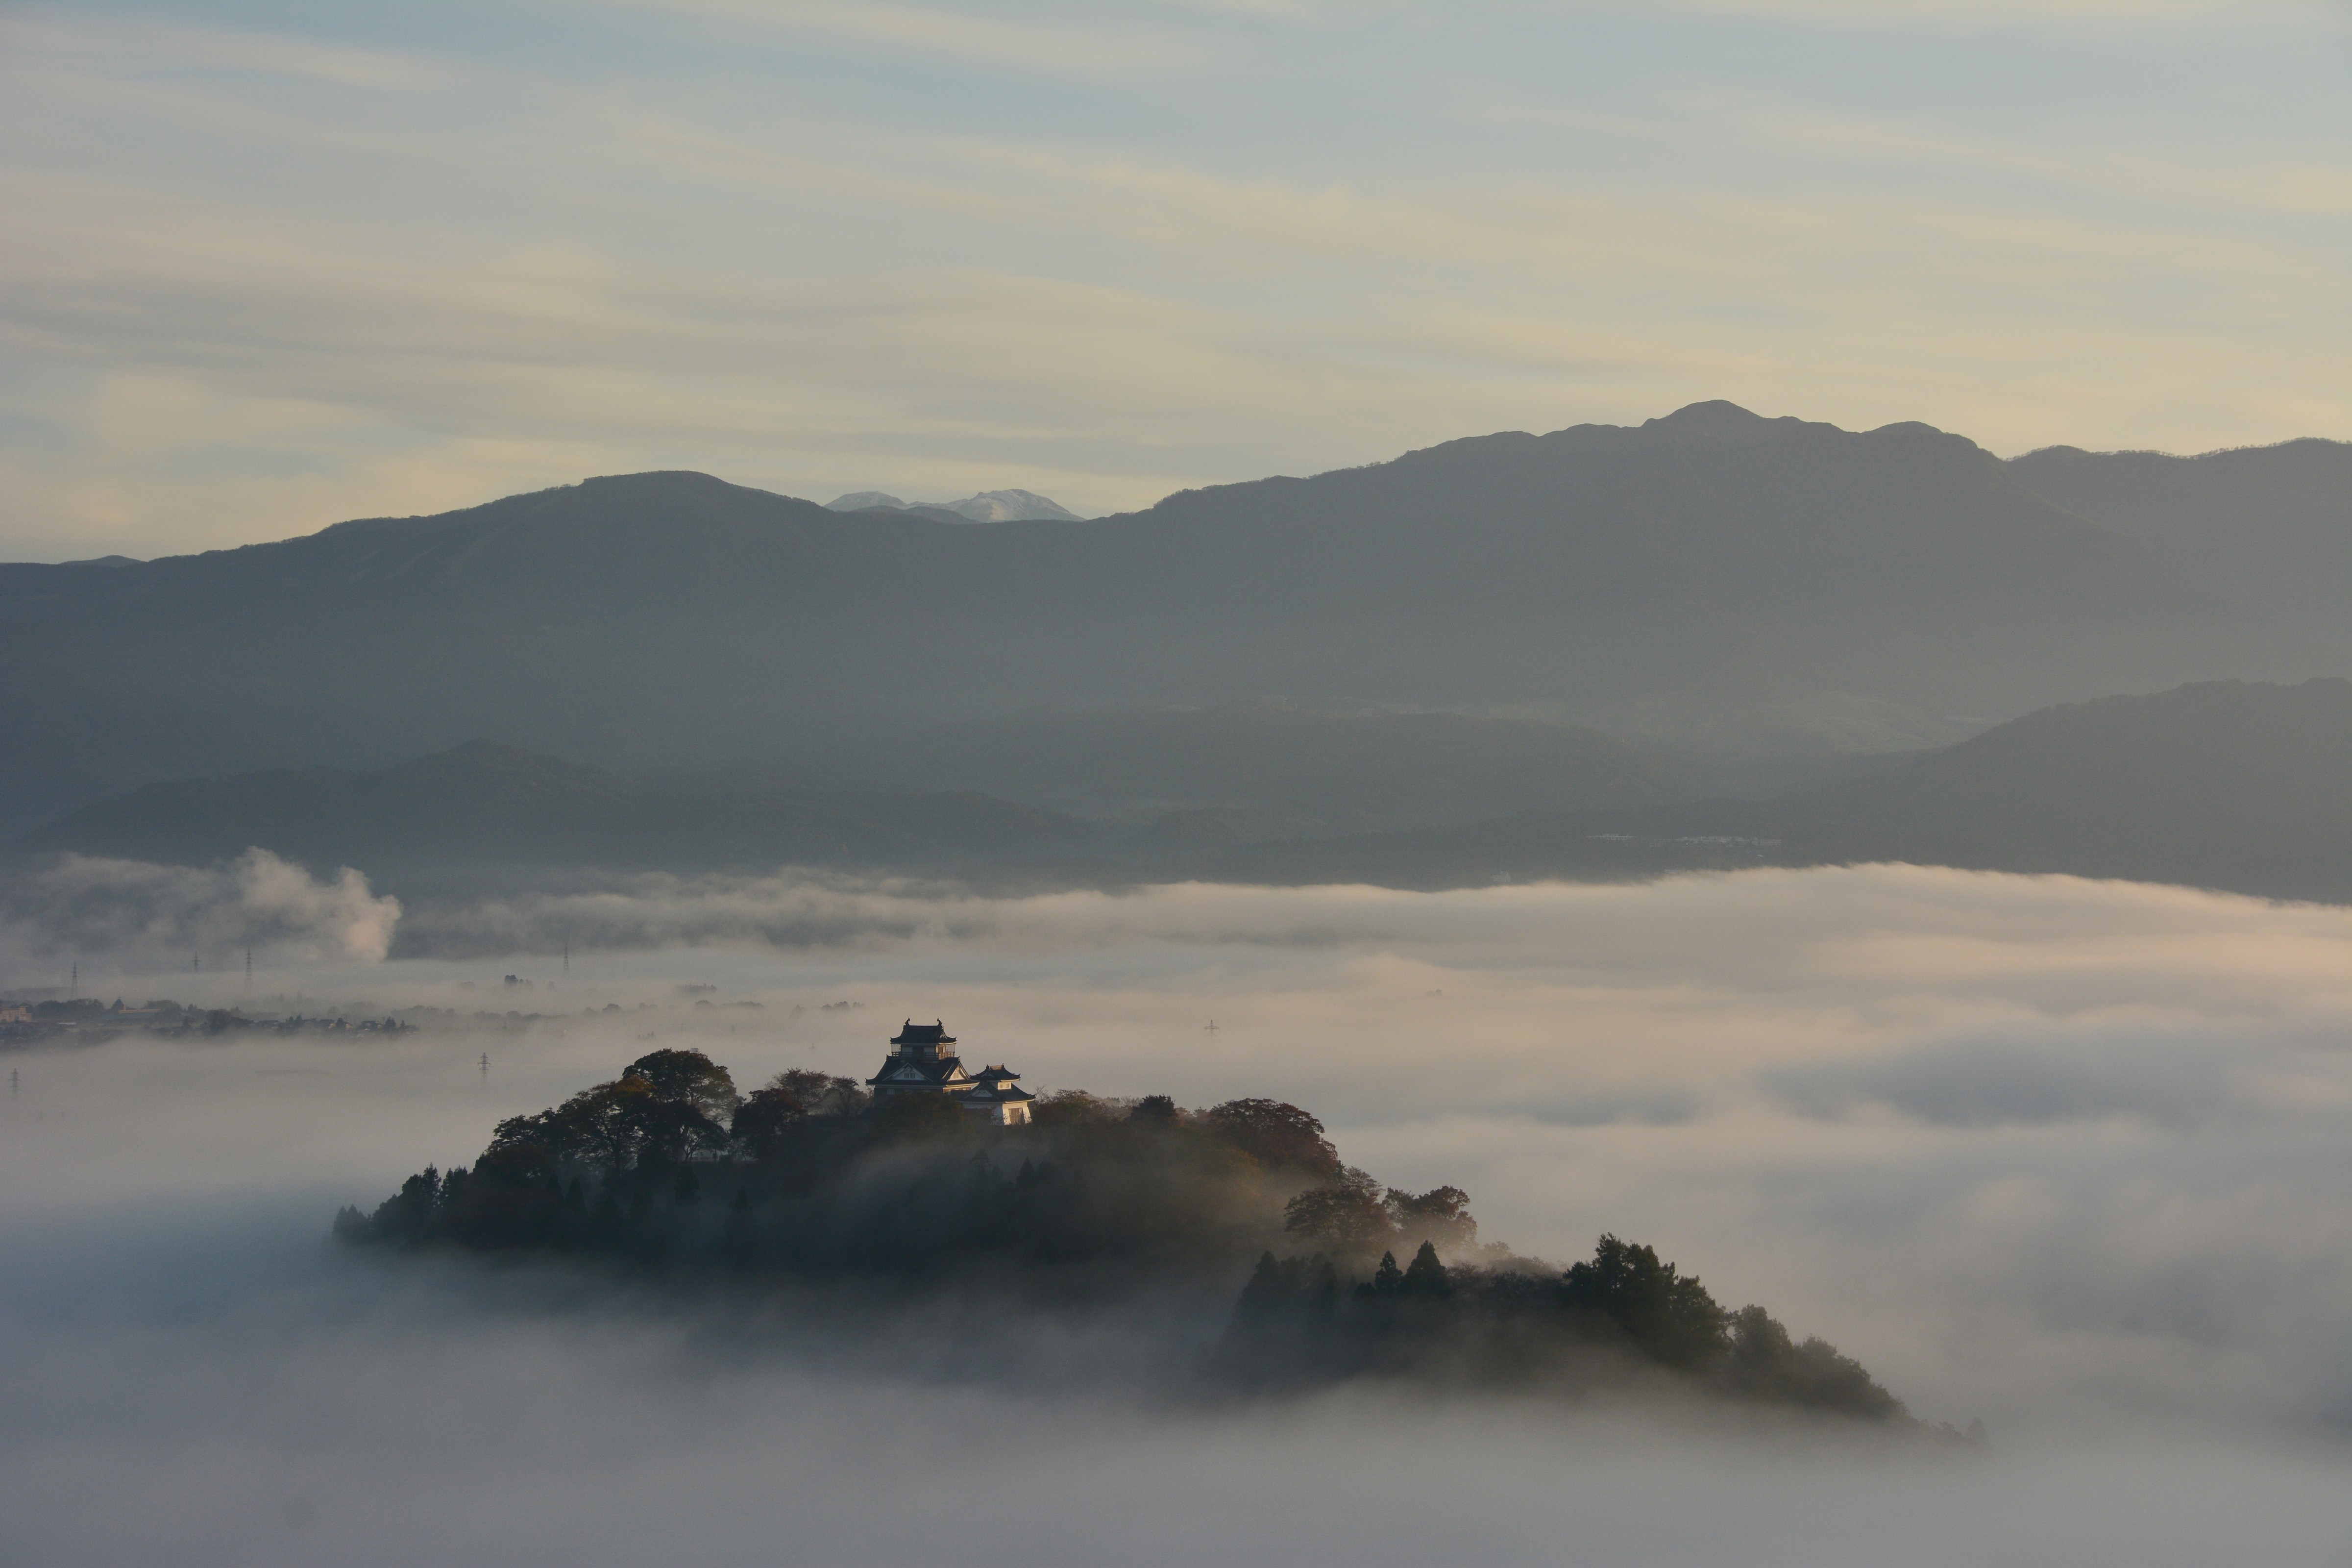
{"x":265,"y":266}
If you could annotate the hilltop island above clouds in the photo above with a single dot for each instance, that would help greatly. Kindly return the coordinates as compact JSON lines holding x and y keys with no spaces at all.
{"x":935,"y":1184}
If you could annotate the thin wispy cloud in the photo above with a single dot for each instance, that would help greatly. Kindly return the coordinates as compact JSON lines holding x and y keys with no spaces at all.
{"x":1084,"y":41}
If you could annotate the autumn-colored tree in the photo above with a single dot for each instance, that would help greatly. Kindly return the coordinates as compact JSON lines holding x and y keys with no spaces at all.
{"x":821,"y":1094}
{"x":1441,"y":1215}
{"x":1345,"y":1216}
{"x":1072,"y":1108}
{"x":765,"y":1118}
{"x":688,"y":1076}
{"x":1278,"y":1136}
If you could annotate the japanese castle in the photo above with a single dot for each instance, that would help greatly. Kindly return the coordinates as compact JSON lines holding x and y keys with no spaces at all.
{"x":922,"y":1060}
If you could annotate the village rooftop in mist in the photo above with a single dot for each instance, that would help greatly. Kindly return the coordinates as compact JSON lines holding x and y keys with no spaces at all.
{"x":991,"y":781}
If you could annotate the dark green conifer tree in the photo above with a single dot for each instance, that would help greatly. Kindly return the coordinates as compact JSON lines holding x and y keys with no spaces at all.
{"x":1426,"y":1277}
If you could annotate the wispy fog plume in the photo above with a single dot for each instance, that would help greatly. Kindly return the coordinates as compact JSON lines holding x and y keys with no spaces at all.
{"x":131,"y":911}
{"x":2067,"y":1155}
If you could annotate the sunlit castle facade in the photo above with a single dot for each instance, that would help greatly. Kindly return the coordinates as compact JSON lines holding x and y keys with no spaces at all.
{"x":922,"y":1060}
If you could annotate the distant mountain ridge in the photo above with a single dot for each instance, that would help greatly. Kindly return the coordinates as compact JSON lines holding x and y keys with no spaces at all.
{"x":988,"y":506}
{"x":2222,"y":784}
{"x":2245,"y":787}
{"x":2268,"y":527}
{"x":1710,"y":558}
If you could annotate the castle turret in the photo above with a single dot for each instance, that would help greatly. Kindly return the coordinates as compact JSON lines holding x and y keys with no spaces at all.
{"x":922,"y":1060}
{"x":929,"y":1041}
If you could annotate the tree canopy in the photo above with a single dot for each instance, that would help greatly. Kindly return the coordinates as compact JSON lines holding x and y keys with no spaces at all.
{"x":806,"y":1178}
{"x":1278,"y":1135}
{"x":689,"y":1077}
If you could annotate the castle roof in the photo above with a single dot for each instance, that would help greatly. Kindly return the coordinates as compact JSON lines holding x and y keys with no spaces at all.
{"x":927,"y":1072}
{"x":931,"y":1034}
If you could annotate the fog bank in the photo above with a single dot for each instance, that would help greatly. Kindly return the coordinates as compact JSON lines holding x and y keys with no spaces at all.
{"x":316,"y":1414}
{"x":2067,"y":1155}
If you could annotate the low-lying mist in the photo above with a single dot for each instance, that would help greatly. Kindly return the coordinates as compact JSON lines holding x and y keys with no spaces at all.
{"x":2068,"y":1156}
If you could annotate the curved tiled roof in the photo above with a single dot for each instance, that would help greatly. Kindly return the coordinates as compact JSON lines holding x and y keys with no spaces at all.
{"x":931,"y":1072}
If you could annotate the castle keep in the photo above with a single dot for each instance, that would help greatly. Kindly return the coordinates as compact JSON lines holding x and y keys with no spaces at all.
{"x":922,"y":1060}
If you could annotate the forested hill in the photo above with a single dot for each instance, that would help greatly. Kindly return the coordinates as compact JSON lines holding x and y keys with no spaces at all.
{"x":1240,"y":1217}
{"x":2241,"y":786}
{"x":2221,"y":783}
{"x":672,"y":619}
{"x":2269,"y":527}
{"x":2234,"y":785}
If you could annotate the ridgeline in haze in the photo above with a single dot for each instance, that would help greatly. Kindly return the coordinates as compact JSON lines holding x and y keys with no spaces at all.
{"x":1709,"y":579}
{"x":2238,"y":786}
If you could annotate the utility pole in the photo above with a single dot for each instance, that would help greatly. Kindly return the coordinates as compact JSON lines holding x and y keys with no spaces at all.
{"x":486,"y":1066}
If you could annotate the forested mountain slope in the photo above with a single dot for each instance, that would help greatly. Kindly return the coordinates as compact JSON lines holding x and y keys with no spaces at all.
{"x":2269,"y":527}
{"x":672,"y":619}
{"x":2237,"y":785}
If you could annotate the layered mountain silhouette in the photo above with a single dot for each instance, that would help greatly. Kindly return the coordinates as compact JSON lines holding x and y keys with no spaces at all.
{"x":2233,"y":785}
{"x":2236,"y":785}
{"x":1314,"y":770}
{"x":1711,"y":562}
{"x":2268,"y":527}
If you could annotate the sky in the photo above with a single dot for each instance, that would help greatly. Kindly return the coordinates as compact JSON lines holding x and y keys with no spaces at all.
{"x":269,"y":266}
{"x":2065,"y":1156}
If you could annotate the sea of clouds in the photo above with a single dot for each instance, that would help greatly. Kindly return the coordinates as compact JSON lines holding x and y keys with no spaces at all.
{"x":2067,"y":1156}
